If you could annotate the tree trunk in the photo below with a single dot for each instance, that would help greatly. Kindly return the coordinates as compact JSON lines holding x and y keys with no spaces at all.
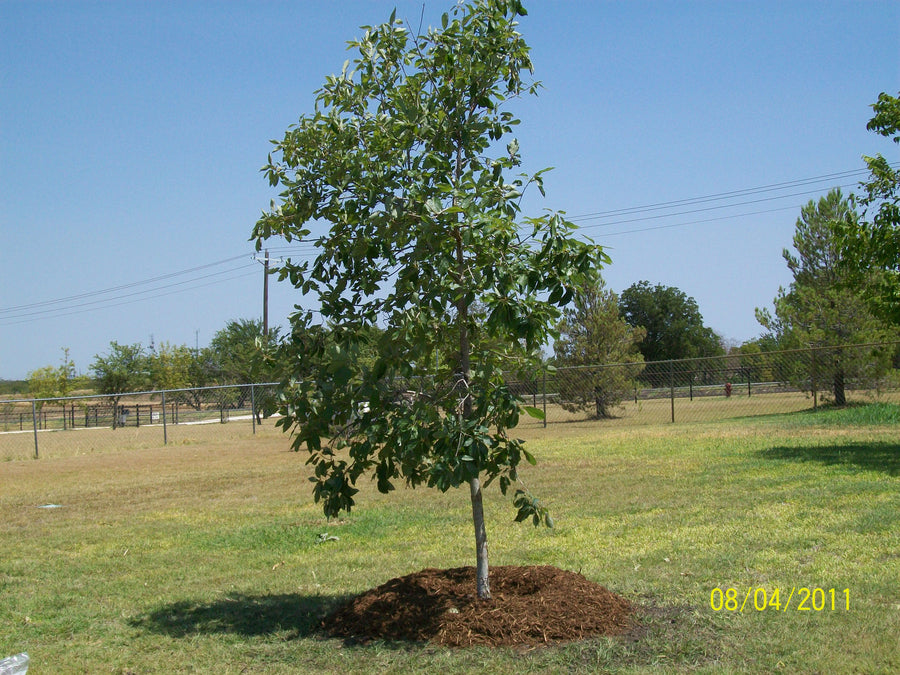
{"x":481,"y":552}
{"x":483,"y":586}
{"x":600,"y":404}
{"x":840,"y":395}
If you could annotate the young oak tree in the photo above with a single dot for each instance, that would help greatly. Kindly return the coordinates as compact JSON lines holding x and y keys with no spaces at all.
{"x":423,"y":243}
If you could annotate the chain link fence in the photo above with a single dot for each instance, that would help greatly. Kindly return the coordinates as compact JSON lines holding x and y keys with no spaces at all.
{"x":31,"y":427}
{"x":714,"y":388}
{"x":661,"y":392}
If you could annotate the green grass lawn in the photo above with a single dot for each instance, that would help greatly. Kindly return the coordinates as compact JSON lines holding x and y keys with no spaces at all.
{"x":203,"y":556}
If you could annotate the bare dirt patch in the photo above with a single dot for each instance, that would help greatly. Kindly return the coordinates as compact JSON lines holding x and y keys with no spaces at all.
{"x":529,"y":606}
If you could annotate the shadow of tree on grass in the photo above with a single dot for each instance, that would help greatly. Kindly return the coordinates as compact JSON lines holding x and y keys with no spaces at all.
{"x":882,"y":457}
{"x":247,"y":615}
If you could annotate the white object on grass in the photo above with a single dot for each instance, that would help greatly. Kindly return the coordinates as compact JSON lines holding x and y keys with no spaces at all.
{"x":14,"y":665}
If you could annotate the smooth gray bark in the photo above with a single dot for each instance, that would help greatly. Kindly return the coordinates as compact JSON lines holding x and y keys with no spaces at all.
{"x":481,"y":550}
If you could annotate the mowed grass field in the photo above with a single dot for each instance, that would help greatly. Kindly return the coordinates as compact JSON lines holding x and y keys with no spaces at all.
{"x":207,"y":555}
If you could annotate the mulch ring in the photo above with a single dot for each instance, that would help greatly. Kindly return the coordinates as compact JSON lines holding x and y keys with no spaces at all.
{"x":529,"y":606}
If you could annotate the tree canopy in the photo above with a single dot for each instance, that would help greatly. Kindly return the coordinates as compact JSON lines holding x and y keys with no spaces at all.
{"x":59,"y":381}
{"x":403,"y":161}
{"x":672,"y":321}
{"x":124,"y":369}
{"x":172,"y":366}
{"x":873,"y":240}
{"x":237,"y":352}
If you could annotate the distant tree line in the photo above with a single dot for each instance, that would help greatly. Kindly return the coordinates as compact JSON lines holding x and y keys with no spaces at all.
{"x":239,"y":353}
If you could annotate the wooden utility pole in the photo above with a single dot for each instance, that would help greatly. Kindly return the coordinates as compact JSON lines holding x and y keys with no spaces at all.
{"x":266,"y":295}
{"x":265,"y":264}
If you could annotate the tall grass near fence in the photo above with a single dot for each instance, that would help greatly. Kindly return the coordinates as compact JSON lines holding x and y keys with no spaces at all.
{"x":209,"y":555}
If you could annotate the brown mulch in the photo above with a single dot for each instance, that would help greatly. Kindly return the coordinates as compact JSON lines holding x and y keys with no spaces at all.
{"x":529,"y":606}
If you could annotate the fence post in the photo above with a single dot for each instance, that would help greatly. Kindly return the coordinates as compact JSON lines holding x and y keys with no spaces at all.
{"x":672,"y":388}
{"x":544,"y":386}
{"x":813,"y":379}
{"x":253,"y":408}
{"x":34,"y":425}
{"x":165,"y":429}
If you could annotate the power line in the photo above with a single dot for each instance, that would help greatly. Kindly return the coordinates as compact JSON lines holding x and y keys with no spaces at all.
{"x":114,"y":289}
{"x":63,"y":312}
{"x":24,"y":315}
{"x":719,"y":196}
{"x":710,"y":208}
{"x":700,"y":222}
{"x":114,"y":296}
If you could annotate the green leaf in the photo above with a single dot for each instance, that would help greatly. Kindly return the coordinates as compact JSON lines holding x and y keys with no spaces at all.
{"x":531,"y":411}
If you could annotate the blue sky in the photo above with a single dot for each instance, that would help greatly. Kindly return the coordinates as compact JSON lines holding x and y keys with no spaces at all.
{"x":132,"y":134}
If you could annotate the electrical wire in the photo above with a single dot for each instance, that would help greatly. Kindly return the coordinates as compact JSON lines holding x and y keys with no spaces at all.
{"x":721,"y":195}
{"x":700,"y":222}
{"x":114,"y":289}
{"x":29,"y":313}
{"x":114,"y":296}
{"x":706,"y":209}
